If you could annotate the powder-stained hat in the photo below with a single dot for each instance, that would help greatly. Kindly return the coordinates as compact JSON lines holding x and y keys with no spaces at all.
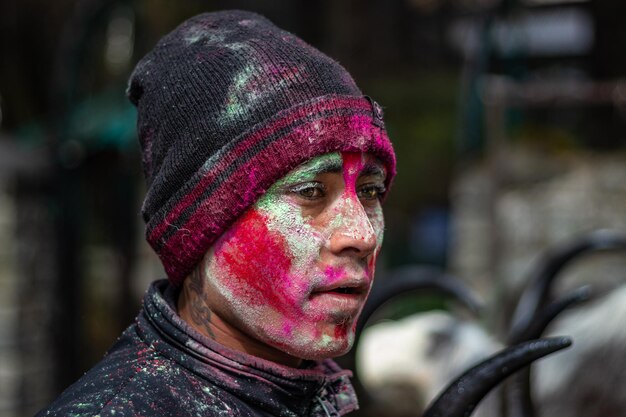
{"x":227,"y":104}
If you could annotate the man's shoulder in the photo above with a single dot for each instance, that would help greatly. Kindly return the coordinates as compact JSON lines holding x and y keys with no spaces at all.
{"x":112,"y":377}
{"x":134,"y":379}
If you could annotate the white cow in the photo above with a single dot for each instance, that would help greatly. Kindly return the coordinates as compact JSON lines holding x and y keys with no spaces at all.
{"x":405,"y":363}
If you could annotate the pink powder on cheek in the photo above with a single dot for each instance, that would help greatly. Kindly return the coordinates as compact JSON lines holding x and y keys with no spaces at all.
{"x":255,"y":264}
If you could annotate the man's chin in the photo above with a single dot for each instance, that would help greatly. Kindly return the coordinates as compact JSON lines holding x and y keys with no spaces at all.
{"x":323,"y":348}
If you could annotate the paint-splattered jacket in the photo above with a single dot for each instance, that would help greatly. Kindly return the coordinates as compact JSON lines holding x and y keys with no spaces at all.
{"x":160,"y":366}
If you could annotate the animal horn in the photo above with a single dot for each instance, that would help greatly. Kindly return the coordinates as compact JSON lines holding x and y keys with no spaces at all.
{"x":462,"y":396}
{"x":538,"y":291}
{"x":517,"y":391}
{"x":545,"y":316}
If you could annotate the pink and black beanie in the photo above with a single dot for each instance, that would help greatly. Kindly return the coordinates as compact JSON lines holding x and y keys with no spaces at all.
{"x":227,"y":104}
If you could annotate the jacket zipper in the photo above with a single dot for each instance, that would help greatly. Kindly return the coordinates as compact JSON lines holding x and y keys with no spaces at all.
{"x":328,"y":408}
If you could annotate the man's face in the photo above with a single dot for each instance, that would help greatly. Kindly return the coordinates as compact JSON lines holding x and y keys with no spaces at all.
{"x":294,"y":271}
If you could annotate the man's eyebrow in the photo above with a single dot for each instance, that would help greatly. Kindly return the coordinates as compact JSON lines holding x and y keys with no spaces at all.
{"x":332,"y":166}
{"x":335,"y":166}
{"x":373,"y":170}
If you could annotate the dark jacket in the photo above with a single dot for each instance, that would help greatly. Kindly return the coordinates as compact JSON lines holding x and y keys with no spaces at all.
{"x":160,"y":366}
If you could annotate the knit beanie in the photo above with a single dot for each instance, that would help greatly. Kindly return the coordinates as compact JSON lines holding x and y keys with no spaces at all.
{"x":227,"y":104}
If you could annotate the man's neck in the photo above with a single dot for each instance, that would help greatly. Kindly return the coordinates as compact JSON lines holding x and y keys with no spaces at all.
{"x":193,"y":308}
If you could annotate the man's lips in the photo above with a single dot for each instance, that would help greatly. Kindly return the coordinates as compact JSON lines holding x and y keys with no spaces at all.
{"x":340,"y":301}
{"x":340,"y":296}
{"x":350,"y":286}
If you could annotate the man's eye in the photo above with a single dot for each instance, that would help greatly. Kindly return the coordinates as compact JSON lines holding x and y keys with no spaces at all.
{"x":310,"y":191}
{"x":371,"y":192}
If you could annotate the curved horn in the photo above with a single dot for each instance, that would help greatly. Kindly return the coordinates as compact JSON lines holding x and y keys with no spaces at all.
{"x":544,"y":317}
{"x":518,"y":393}
{"x":416,"y":278}
{"x":538,"y":290}
{"x":462,"y":396}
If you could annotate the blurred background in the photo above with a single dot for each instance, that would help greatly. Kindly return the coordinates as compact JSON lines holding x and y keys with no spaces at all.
{"x":508,"y":119}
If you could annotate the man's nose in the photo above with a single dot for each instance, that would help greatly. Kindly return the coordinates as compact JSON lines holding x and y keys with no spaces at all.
{"x":351,"y":229}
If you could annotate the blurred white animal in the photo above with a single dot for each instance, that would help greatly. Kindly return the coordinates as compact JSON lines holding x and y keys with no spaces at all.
{"x":590,"y":379}
{"x":406,"y":363}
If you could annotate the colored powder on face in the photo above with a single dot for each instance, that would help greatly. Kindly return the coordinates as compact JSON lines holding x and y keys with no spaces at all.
{"x":341,"y":332}
{"x":352,"y":166}
{"x":258,"y":279}
{"x":308,"y":171}
{"x":326,"y":340}
{"x":349,"y":219}
{"x":287,"y":218}
{"x":274,"y":256}
{"x":350,"y":215}
{"x":287,"y":328}
{"x":282,"y":214}
{"x":334,"y":274}
{"x":371,"y":263}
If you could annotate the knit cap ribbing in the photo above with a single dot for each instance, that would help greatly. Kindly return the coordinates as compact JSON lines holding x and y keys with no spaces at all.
{"x":227,"y":104}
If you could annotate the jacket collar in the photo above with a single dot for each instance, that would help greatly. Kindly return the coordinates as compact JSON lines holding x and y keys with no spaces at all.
{"x":321,"y":389}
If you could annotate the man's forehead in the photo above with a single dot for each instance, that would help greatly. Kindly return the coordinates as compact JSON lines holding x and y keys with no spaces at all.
{"x":333,"y":163}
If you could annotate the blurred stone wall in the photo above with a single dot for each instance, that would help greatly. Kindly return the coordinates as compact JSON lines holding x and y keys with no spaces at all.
{"x":29,"y":269}
{"x":27,"y":260}
{"x":506,"y":218}
{"x":9,"y":308}
{"x":502,"y":226}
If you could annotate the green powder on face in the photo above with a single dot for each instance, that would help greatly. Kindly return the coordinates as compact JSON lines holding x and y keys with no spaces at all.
{"x":286,"y":216}
{"x":341,"y":219}
{"x":326,"y":340}
{"x":298,"y":330}
{"x":309,"y":170}
{"x":378,"y":223}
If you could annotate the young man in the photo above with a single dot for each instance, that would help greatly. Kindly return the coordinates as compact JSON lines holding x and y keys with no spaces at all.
{"x":266,"y":167}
